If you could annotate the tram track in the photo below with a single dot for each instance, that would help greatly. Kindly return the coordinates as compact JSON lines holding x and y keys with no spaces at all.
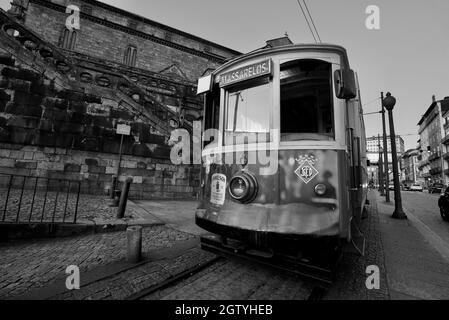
{"x":174,"y":279}
{"x":186,"y":272}
{"x":190,"y":280}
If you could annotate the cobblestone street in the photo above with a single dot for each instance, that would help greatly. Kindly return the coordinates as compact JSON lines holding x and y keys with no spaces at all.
{"x":26,"y":265}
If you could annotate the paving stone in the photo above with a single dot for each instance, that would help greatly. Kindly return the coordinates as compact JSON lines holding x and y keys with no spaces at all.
{"x":27,"y":265}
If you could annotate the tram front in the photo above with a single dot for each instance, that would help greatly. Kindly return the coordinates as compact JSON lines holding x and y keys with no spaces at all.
{"x":275,"y":158}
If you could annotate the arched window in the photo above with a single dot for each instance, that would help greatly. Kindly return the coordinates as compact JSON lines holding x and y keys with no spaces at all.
{"x":69,"y":39}
{"x":130,"y":58}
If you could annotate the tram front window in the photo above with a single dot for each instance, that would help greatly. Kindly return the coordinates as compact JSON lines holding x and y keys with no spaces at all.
{"x":306,"y":101}
{"x":248,"y":109}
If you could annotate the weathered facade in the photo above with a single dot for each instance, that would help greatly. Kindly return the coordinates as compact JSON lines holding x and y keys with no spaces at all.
{"x":433,"y":166}
{"x":410,"y":167}
{"x":63,"y":92}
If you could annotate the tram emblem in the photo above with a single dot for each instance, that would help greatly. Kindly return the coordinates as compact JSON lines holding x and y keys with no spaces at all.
{"x":306,"y":171}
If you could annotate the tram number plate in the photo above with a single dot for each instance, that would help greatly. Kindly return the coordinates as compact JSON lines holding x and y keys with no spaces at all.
{"x":218,"y":189}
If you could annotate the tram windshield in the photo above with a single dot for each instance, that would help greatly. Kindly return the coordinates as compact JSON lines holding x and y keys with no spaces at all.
{"x":306,"y":100}
{"x":248,"y":108}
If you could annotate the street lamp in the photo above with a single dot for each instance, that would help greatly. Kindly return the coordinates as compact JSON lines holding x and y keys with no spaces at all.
{"x":389,"y":102}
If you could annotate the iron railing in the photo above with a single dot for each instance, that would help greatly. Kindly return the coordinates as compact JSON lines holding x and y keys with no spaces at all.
{"x":38,"y":199}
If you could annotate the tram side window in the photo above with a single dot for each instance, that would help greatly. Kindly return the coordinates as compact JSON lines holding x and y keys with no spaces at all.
{"x":212,"y":112}
{"x":306,"y":101}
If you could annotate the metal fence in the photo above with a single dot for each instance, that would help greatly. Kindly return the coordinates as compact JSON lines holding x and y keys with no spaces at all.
{"x":38,"y":199}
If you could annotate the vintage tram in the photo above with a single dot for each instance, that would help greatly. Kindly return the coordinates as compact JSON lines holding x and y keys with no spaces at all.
{"x":284,"y":157}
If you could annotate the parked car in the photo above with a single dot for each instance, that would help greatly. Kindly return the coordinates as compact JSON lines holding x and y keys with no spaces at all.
{"x":436,"y":188}
{"x":391,"y":186}
{"x":416,"y":187}
{"x":443,"y":203}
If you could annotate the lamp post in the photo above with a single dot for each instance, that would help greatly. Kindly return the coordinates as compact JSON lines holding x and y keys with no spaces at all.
{"x":389,"y":102}
{"x":384,"y":128}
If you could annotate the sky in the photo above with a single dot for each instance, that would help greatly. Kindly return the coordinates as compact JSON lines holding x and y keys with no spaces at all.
{"x":408,"y":56}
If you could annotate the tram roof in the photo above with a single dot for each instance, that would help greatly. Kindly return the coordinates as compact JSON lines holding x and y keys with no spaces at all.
{"x":322,"y":47}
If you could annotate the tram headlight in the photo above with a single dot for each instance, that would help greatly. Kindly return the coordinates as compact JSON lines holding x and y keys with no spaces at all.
{"x":320,"y":189}
{"x":243,"y":187}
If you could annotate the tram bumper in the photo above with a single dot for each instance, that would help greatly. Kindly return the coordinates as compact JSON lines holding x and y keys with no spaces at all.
{"x":289,"y":219}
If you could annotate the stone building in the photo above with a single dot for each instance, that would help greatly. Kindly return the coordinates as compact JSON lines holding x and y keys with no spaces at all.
{"x":66,"y":83}
{"x":372,"y":152}
{"x":372,"y":147}
{"x":433,"y":160}
{"x":410,"y":167}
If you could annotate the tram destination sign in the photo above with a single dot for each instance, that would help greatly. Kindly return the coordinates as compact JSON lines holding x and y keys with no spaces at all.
{"x":252,"y":71}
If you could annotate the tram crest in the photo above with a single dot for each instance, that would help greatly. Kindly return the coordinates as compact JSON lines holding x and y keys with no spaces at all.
{"x":306,"y":170}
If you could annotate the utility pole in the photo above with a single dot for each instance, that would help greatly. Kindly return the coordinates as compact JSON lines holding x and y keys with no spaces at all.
{"x":387,"y":183}
{"x":381,"y":170}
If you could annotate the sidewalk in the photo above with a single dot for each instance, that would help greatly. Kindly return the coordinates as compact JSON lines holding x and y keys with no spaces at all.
{"x":176,"y":214}
{"x":416,"y":259}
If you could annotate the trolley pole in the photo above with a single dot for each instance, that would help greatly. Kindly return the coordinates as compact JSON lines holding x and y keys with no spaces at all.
{"x":387,"y":183}
{"x":398,"y":213}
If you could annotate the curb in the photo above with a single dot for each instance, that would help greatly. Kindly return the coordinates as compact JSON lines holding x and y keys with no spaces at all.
{"x":15,"y":231}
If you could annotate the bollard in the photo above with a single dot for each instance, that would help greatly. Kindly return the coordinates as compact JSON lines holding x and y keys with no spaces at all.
{"x":113,"y":187}
{"x":124,"y":198}
{"x":134,"y":243}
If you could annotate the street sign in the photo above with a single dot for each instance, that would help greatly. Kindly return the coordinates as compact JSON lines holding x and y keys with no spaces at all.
{"x":123,"y":129}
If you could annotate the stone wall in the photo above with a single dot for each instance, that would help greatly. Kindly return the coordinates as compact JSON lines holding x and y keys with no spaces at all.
{"x":52,"y":132}
{"x":152,"y":178}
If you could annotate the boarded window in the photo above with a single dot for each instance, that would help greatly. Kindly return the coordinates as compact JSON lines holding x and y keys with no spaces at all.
{"x":69,"y":39}
{"x":130,"y":58}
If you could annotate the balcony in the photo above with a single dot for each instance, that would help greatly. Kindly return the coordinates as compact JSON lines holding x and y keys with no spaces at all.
{"x":435,"y":171}
{"x":446,"y":156}
{"x":434,"y":157}
{"x":422,"y":164}
{"x":446,"y":125}
{"x":445,"y":140}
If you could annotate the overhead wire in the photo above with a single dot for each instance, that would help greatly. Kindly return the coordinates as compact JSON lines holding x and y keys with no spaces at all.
{"x":313,"y":23}
{"x":372,"y":101}
{"x":308,"y":23}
